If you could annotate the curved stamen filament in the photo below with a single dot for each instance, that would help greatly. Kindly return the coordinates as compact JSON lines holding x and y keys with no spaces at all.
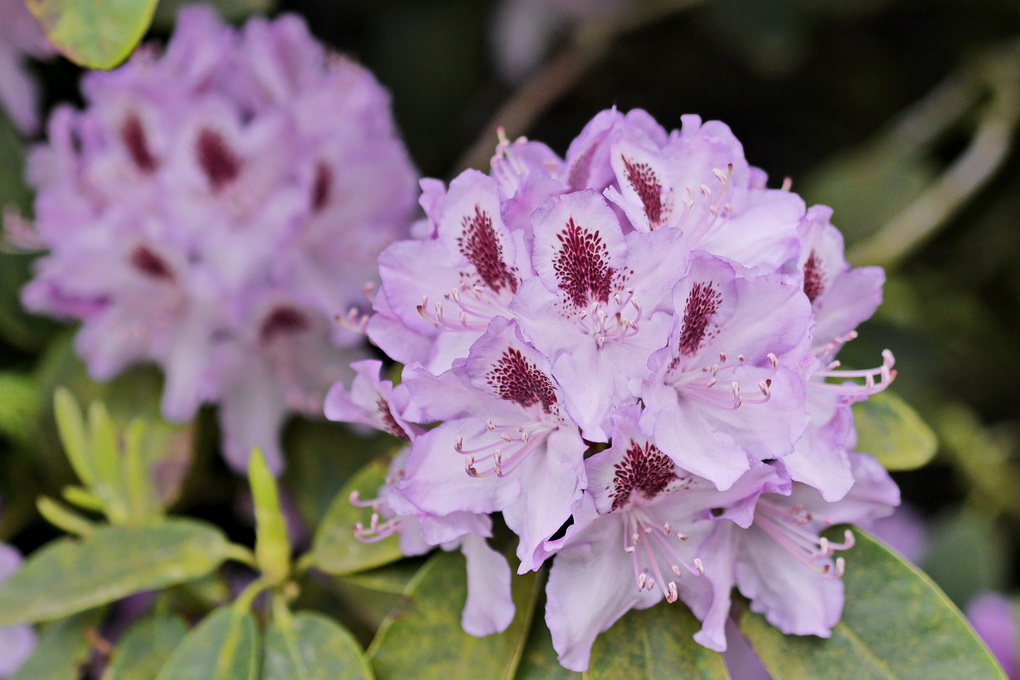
{"x":376,"y":530}
{"x":788,"y":527}
{"x":875,"y":379}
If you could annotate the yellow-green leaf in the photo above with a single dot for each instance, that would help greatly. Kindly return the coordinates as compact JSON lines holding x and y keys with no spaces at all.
{"x":310,"y":646}
{"x":146,"y":647}
{"x":335,"y":549}
{"x":654,"y":643}
{"x":71,"y":575}
{"x":224,"y":646}
{"x":423,"y":638}
{"x":94,"y":33}
{"x":272,"y":547}
{"x":896,"y":625}
{"x":889,"y":429}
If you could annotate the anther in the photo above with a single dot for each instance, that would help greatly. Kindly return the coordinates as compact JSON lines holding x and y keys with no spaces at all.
{"x":672,"y":595}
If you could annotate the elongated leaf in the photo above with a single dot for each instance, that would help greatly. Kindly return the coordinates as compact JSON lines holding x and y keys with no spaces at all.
{"x":94,"y":33}
{"x":145,"y":647}
{"x":654,"y":643}
{"x":272,"y":546}
{"x":225,"y":646}
{"x":69,"y":576}
{"x":336,"y":550}
{"x":311,"y":646}
{"x":896,"y":624}
{"x":889,"y":429}
{"x":423,"y":639}
{"x":63,"y":646}
{"x":539,"y":662}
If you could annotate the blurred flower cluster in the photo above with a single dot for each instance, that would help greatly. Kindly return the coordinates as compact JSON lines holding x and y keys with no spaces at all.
{"x":636,"y":342}
{"x":20,"y":38}
{"x":213,"y":209}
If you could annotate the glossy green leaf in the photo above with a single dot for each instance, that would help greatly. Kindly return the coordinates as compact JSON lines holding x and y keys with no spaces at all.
{"x":335,"y":549}
{"x":272,"y":547}
{"x":322,"y":458}
{"x":94,"y":33}
{"x":654,"y":643}
{"x":146,"y":647}
{"x":63,"y":646}
{"x":896,"y":624}
{"x":224,"y":646}
{"x":889,"y":429}
{"x":539,"y":662}
{"x":310,"y":646}
{"x":70,"y":575}
{"x":423,"y":637}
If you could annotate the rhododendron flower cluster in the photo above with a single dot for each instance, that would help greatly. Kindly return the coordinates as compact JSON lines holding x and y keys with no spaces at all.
{"x":212,"y":210}
{"x":628,"y":352}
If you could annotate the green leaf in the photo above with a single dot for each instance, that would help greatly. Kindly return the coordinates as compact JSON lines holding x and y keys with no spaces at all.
{"x":889,"y":429}
{"x":323,"y":456}
{"x":69,"y":575}
{"x":146,"y":647}
{"x":63,"y":646}
{"x":539,"y":660}
{"x":224,"y":646}
{"x":335,"y":549}
{"x":94,"y":33}
{"x":310,"y":646}
{"x":423,"y":637}
{"x":19,"y":406}
{"x":73,"y":435}
{"x":896,"y":624}
{"x":654,"y":643}
{"x":272,"y":547}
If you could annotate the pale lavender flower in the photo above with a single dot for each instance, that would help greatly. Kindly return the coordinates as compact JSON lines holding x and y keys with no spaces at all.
{"x":994,"y":617}
{"x":263,"y":177}
{"x":841,"y":298}
{"x":16,"y":643}
{"x":506,"y":445}
{"x":649,"y":304}
{"x":782,"y":564}
{"x":20,"y":37}
{"x":719,"y":396}
{"x":635,"y":540}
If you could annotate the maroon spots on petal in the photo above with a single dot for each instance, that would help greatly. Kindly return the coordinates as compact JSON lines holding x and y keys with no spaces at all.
{"x":282,"y":321}
{"x":480,"y":245}
{"x":322,"y":187}
{"x":133,"y":135}
{"x":216,"y":159}
{"x":577,"y":178}
{"x":645,"y":469}
{"x":390,"y":423}
{"x":702,"y":302}
{"x":814,"y":279}
{"x":518,"y":380}
{"x":582,"y":265}
{"x":151,"y":264}
{"x":646,"y":184}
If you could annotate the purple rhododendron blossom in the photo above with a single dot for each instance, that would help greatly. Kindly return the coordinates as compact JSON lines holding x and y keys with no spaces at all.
{"x":994,"y":617}
{"x":20,"y":37}
{"x":16,"y":643}
{"x":373,"y":401}
{"x":629,"y":352}
{"x":265,"y":177}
